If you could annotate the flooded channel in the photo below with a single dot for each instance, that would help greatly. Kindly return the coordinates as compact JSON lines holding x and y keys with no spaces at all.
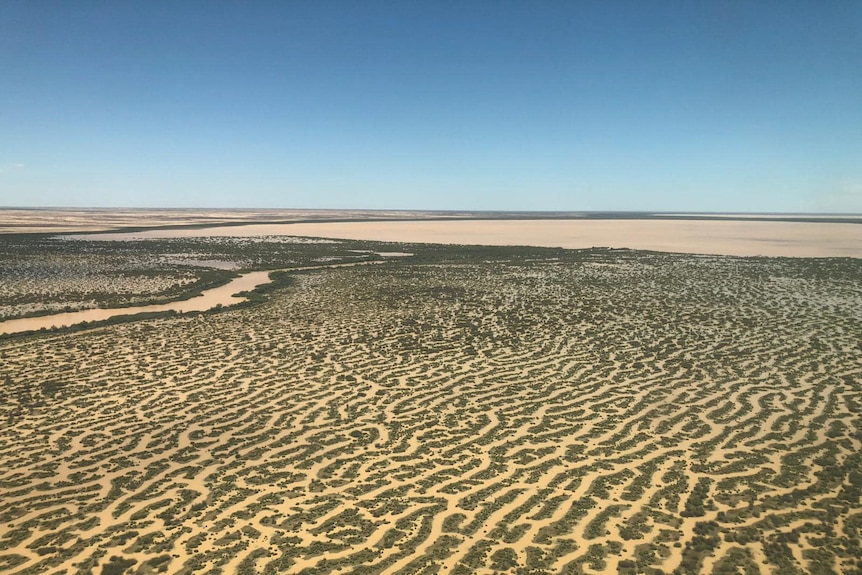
{"x":224,"y":295}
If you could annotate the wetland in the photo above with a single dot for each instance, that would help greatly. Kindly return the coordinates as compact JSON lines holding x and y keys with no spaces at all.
{"x":448,"y":409}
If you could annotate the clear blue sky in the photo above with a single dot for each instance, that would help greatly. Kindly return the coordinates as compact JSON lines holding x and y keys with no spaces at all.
{"x":539,"y":105}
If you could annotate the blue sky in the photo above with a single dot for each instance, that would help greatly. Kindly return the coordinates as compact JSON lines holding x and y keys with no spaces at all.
{"x":704,"y":106}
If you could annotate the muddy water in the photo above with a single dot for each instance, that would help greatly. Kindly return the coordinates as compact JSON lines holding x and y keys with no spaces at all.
{"x":209,"y":299}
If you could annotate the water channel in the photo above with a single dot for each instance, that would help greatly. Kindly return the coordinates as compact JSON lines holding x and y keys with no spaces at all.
{"x":208,"y":299}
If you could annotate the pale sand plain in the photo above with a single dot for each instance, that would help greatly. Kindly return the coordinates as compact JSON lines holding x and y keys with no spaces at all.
{"x":59,"y":220}
{"x":580,"y":414}
{"x":736,"y":237}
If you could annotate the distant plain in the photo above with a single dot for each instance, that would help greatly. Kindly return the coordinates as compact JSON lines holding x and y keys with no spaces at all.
{"x":790,"y":235}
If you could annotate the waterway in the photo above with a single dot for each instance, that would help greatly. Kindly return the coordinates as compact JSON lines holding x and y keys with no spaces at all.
{"x":224,"y":295}
{"x":208,"y":299}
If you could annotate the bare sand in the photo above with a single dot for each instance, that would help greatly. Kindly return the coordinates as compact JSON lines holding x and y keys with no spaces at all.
{"x":732,"y":237}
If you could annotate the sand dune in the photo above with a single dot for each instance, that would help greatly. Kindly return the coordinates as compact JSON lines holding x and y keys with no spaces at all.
{"x":594,"y":412}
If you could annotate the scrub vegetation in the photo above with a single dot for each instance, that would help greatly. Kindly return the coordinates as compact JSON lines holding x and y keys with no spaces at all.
{"x":43,"y":275}
{"x":460,"y":410}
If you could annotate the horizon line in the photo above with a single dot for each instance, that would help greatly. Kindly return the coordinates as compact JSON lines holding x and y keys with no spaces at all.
{"x":435,"y":210}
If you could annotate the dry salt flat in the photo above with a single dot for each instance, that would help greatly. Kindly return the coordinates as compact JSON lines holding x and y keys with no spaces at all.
{"x":741,"y":237}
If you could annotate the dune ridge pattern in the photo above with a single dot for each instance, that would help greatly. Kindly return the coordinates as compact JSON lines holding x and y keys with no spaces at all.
{"x":594,"y":412}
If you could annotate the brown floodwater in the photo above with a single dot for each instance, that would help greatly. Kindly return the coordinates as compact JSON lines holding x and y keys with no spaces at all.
{"x":208,"y":299}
